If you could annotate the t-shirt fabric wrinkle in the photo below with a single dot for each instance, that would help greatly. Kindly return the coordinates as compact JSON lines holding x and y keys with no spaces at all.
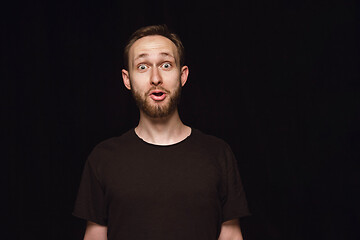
{"x":145,"y":191}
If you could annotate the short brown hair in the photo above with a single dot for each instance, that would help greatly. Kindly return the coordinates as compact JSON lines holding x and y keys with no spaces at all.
{"x":161,"y":30}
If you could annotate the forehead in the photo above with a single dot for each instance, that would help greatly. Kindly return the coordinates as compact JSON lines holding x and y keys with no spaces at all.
{"x":152,"y":45}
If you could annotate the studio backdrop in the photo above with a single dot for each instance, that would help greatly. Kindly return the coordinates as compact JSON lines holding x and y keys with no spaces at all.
{"x":277,"y":80}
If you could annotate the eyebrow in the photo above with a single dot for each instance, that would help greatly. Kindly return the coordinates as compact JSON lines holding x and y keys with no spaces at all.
{"x":144,"y":55}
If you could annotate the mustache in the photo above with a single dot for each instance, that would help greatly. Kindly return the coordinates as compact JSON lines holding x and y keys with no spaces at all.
{"x":157,"y":88}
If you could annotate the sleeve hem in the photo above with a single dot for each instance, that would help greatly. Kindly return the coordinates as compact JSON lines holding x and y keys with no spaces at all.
{"x":236,"y":216}
{"x":97,"y":221}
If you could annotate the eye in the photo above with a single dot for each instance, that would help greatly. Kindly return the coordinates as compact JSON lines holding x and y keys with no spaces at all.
{"x":142,"y":67}
{"x":166,"y":65}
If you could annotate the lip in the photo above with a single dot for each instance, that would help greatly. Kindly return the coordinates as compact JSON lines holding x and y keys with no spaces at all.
{"x":157,"y":98}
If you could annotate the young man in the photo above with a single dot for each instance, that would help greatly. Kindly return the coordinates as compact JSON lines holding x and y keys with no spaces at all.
{"x":162,"y":179}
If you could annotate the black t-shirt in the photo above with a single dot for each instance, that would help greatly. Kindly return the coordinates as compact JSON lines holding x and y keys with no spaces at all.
{"x":145,"y":191}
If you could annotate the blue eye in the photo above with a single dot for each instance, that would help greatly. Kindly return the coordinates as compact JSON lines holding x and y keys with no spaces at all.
{"x":166,"y":65}
{"x":142,"y":67}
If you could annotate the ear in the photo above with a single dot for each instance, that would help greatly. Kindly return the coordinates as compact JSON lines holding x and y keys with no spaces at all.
{"x":126,"y":78}
{"x":184,"y":75}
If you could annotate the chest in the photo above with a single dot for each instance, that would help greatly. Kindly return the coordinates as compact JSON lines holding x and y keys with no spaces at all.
{"x":158,"y":178}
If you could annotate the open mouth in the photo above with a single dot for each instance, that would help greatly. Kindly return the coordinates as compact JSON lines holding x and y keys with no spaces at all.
{"x":158,"y":95}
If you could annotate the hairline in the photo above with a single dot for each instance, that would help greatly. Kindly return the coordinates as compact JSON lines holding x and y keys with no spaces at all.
{"x":176,"y":41}
{"x":175,"y":55}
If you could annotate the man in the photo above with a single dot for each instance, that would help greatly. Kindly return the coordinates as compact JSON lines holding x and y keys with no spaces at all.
{"x":162,"y":179}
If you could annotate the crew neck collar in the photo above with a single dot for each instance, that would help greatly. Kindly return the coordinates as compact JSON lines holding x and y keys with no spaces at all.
{"x":163,"y":146}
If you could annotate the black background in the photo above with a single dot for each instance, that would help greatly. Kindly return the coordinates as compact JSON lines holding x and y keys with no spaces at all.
{"x":277,"y":80}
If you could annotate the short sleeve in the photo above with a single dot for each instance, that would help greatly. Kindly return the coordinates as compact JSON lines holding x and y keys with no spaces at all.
{"x":234,"y":203}
{"x":90,"y":202}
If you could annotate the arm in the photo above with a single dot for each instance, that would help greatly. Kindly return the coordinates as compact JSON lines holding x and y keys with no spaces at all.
{"x":230,"y":230}
{"x":95,"y":231}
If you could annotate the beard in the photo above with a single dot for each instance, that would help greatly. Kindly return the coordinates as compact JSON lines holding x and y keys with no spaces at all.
{"x":158,"y":110}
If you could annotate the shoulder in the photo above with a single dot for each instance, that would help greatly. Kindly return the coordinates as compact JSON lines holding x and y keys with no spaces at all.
{"x":214,"y":148}
{"x":111,"y":148}
{"x":210,"y":142}
{"x":113,"y":143}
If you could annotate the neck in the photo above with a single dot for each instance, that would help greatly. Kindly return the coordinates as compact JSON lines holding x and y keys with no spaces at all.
{"x":162,"y":131}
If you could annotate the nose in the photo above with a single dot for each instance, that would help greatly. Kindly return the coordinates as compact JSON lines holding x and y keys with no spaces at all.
{"x":155,"y":77}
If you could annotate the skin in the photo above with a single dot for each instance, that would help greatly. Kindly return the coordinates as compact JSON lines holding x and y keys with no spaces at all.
{"x":154,"y":64}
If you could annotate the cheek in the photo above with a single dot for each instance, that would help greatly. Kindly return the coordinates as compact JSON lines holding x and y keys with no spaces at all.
{"x":172,"y":79}
{"x":139,"y":81}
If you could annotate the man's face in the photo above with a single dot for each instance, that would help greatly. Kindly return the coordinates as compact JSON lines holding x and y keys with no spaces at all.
{"x":154,"y":77}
